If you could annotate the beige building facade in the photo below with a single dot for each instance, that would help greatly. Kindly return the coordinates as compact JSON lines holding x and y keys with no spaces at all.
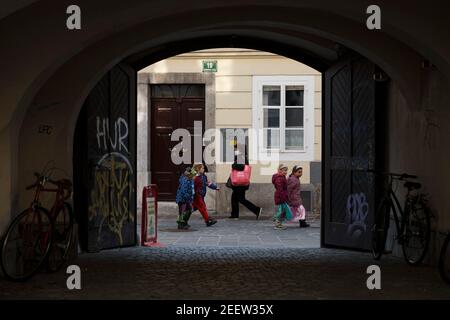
{"x":276,"y":101}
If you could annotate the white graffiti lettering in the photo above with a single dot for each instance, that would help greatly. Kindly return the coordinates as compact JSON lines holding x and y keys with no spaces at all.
{"x":104,"y":139}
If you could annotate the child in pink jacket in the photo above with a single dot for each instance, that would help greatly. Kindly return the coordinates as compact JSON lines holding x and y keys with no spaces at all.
{"x":295,"y":201}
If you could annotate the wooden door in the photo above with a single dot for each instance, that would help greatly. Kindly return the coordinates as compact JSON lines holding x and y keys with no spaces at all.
{"x":172,"y":107}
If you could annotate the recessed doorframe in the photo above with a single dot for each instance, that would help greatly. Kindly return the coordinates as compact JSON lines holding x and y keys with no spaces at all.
{"x":145,"y":80}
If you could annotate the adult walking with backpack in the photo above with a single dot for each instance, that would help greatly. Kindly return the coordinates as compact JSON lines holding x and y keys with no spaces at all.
{"x":239,"y":182}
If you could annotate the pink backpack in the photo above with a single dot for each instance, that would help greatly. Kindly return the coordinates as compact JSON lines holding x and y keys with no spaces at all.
{"x":241,"y":178}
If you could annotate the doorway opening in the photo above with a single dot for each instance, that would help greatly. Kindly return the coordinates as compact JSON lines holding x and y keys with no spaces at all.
{"x":286,"y":109}
{"x":273,"y":101}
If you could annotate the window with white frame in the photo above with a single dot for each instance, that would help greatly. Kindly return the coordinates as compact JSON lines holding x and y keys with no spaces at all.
{"x":230,"y":138}
{"x":283,"y":111}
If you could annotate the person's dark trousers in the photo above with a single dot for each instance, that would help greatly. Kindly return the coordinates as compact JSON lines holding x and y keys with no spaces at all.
{"x":238,"y":196}
{"x":184,"y":213}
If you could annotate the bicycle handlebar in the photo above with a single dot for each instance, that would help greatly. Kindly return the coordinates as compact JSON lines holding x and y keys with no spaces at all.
{"x":409,"y":176}
{"x":64,"y":184}
{"x":31,"y":186}
{"x":38,"y":178}
{"x":400,"y":176}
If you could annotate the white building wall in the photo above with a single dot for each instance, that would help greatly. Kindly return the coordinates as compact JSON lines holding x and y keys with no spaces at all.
{"x":234,"y":90}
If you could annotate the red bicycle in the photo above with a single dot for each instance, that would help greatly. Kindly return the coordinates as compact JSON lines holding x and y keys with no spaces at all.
{"x":38,"y":236}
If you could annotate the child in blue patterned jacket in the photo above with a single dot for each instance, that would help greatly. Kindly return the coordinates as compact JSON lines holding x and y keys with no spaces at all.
{"x":185,"y":197}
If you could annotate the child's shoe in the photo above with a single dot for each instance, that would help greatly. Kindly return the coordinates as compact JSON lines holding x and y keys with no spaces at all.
{"x":279,"y":226}
{"x":183,"y":226}
{"x":303,"y":224}
{"x":210,"y":222}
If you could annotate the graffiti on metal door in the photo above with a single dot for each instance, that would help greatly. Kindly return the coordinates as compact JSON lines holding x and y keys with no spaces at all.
{"x":113,"y":184}
{"x":357,"y":211}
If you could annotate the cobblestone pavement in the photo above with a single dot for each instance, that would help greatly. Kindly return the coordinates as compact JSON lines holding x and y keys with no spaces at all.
{"x":245,"y":232}
{"x":183,"y":272}
{"x":244,"y":259}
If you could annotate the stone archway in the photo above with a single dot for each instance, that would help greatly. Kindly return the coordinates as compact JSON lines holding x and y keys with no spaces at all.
{"x":52,"y":89}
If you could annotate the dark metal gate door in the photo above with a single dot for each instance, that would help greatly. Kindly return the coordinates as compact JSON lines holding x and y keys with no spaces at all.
{"x":350,"y":148}
{"x":109,"y":116}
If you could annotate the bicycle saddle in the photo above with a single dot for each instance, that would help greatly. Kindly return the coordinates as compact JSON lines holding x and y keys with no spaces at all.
{"x":412,"y":185}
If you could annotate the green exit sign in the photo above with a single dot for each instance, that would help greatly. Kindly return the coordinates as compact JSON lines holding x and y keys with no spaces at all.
{"x":210,"y":66}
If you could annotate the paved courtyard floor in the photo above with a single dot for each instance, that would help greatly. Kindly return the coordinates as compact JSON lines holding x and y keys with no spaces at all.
{"x":235,"y":260}
{"x":244,"y":233}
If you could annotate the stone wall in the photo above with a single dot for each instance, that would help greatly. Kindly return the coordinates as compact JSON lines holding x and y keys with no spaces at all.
{"x":418,"y":144}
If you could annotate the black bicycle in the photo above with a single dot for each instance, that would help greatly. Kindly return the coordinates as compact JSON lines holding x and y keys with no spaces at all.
{"x":412,"y":222}
{"x":444,"y":260}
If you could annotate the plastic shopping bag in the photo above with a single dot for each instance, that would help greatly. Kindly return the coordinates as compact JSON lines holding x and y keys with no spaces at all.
{"x":284,"y":208}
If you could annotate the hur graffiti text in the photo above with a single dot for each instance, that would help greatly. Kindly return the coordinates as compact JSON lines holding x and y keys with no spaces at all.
{"x":117,"y":142}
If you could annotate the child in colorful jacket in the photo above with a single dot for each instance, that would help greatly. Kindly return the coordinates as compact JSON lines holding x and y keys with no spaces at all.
{"x":185,"y":197}
{"x":294,"y":199}
{"x":205,"y":182}
{"x":283,"y":211}
{"x":200,"y":192}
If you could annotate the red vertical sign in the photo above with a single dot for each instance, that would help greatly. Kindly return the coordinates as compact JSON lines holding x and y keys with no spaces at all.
{"x":149,"y":227}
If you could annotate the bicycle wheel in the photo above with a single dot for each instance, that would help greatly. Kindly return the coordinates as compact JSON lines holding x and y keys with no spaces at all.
{"x":62,"y":238}
{"x":416,"y":236}
{"x":26,"y":244}
{"x":380,"y":229}
{"x":444,"y":260}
